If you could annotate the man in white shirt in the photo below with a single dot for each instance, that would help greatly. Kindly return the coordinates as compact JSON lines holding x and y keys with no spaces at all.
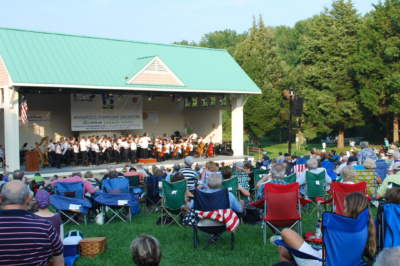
{"x":133,"y":151}
{"x":193,"y":136}
{"x":126,"y":146}
{"x":144,"y":144}
{"x":52,"y":150}
{"x":83,"y":149}
{"x":66,"y":152}
{"x":312,"y":166}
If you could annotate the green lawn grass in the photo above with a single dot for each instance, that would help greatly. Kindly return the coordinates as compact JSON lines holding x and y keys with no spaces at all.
{"x":177,"y":243}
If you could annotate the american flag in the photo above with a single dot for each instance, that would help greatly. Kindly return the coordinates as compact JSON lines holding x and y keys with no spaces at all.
{"x":24,"y":110}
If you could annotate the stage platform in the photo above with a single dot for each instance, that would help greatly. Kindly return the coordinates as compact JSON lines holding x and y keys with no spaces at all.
{"x":99,"y":171}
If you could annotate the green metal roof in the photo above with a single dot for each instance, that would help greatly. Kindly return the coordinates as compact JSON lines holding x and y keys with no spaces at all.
{"x":34,"y":57}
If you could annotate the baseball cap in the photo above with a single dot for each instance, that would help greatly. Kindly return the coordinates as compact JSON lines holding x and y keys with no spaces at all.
{"x":396,"y":166}
{"x":390,"y":152}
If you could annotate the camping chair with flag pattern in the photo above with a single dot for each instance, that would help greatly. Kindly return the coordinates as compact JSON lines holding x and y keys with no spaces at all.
{"x":207,"y":202}
{"x":68,"y":196}
{"x":315,"y":188}
{"x":339,"y":193}
{"x":173,"y":199}
{"x":344,"y":240}
{"x":117,"y":199}
{"x":282,"y":207}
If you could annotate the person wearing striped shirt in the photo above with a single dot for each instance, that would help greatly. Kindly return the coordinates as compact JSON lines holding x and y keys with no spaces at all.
{"x":24,"y":238}
{"x":190,"y":175}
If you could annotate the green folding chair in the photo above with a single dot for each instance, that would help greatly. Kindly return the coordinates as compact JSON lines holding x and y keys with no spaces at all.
{"x":258,"y":175}
{"x":231,"y":184}
{"x":173,"y":199}
{"x":315,"y":187}
{"x":394,"y":184}
{"x":133,"y":181}
{"x":290,"y":179}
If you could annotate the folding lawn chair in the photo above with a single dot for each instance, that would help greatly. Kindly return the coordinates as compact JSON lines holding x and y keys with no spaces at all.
{"x":330,"y":169}
{"x":133,"y":181}
{"x":388,"y":229}
{"x":290,"y":179}
{"x":381,"y":168}
{"x":339,"y":193}
{"x":284,"y":208}
{"x":204,"y":201}
{"x":344,"y":240}
{"x":115,"y":198}
{"x":258,"y":175}
{"x":174,"y":199}
{"x":157,"y":184}
{"x":152,"y":198}
{"x":232,"y":185}
{"x":315,"y":187}
{"x":69,"y":197}
{"x":301,"y":160}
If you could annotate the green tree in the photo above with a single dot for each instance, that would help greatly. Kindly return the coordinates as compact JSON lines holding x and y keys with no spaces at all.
{"x":185,"y":42}
{"x":332,"y":99}
{"x":259,"y":57}
{"x":226,"y":39}
{"x":377,"y":66}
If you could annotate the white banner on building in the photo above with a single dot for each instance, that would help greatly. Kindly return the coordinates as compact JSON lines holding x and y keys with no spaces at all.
{"x":41,"y":118}
{"x":150,"y":117}
{"x":99,"y":112}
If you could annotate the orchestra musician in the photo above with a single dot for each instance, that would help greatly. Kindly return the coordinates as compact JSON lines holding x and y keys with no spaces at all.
{"x":83,"y":150}
{"x":66,"y":151}
{"x":76,"y":153}
{"x":144,"y":144}
{"x":116,"y":151}
{"x":193,"y":136}
{"x":126,"y":146}
{"x":167,"y":145}
{"x":58,"y":154}
{"x":52,"y":151}
{"x":133,"y":151}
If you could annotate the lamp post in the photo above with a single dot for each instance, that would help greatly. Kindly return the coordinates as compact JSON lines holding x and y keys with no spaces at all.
{"x":290,"y":121}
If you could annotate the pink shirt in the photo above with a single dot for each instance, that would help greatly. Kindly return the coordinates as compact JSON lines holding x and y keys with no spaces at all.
{"x":203,"y":175}
{"x":87,"y":186}
{"x":133,"y":173}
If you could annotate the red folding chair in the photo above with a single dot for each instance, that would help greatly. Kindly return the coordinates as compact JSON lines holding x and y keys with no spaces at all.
{"x":284,"y":207}
{"x":339,"y":193}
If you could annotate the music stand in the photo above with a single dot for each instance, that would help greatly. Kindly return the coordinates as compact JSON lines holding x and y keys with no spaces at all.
{"x":24,"y":146}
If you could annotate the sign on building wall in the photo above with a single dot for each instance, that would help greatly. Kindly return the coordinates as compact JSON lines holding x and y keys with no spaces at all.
{"x":41,"y":118}
{"x":105,"y":112}
{"x":150,"y":117}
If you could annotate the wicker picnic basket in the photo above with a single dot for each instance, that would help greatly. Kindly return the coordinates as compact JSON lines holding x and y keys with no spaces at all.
{"x":90,"y":247}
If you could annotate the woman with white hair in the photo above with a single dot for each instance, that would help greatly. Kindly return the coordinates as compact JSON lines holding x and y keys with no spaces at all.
{"x":349,"y":174}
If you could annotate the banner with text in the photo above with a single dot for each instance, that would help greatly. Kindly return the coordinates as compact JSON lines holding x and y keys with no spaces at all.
{"x":100,"y":112}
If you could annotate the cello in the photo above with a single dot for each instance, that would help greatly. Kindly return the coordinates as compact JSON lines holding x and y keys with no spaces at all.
{"x":210,"y":151}
{"x":200,"y":148}
{"x":155,"y":150}
{"x":187,"y":150}
{"x":161,"y":154}
{"x":176,"y":150}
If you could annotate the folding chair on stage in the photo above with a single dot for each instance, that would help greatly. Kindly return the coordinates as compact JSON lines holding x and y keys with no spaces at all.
{"x":344,"y":240}
{"x":232,"y":185}
{"x":339,"y":193}
{"x":315,"y":187}
{"x":174,"y":199}
{"x":210,"y":202}
{"x":388,"y":229}
{"x":284,"y":208}
{"x":152,"y":198}
{"x":69,"y":197}
{"x":117,"y":199}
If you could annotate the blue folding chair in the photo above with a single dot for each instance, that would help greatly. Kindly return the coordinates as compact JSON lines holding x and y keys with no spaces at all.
{"x":116,"y":197}
{"x":329,"y":167}
{"x":388,"y":229}
{"x":153,"y":192}
{"x":157,"y":184}
{"x":204,"y":201}
{"x":344,"y":240}
{"x":69,"y":197}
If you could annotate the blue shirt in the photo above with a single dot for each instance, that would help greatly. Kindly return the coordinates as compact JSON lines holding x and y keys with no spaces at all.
{"x":6,"y":179}
{"x":387,"y":143}
{"x":170,"y":176}
{"x":233,"y":202}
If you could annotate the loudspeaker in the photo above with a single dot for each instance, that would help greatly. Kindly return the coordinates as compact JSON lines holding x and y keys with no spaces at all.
{"x":297,"y":107}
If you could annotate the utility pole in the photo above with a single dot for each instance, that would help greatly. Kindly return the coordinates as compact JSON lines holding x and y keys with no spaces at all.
{"x":290,"y":121}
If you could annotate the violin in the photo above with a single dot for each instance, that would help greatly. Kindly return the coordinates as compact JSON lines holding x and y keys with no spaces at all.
{"x":210,"y":151}
{"x":161,"y":154}
{"x":175,"y":151}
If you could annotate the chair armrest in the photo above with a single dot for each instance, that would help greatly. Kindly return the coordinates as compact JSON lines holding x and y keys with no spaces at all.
{"x":304,"y":201}
{"x":322,"y":201}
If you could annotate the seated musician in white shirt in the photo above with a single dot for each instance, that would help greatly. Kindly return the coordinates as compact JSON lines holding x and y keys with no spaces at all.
{"x":193,"y":136}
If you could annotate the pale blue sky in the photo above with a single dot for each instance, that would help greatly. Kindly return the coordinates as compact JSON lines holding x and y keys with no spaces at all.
{"x":157,"y":20}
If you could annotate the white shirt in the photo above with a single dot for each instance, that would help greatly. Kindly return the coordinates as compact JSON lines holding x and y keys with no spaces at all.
{"x":133,"y":146}
{"x":76,"y":149}
{"x":93,"y":146}
{"x":340,"y":168}
{"x":211,"y":141}
{"x":191,"y":147}
{"x":108,"y":145}
{"x":66,"y":147}
{"x":1,"y":153}
{"x":116,"y":147}
{"x":125,"y":144}
{"x":96,"y":148}
{"x":144,"y":142}
{"x":52,"y":147}
{"x":83,"y":145}
{"x":58,"y":149}
{"x":88,"y":144}
{"x":193,"y":136}
{"x":167,"y":146}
